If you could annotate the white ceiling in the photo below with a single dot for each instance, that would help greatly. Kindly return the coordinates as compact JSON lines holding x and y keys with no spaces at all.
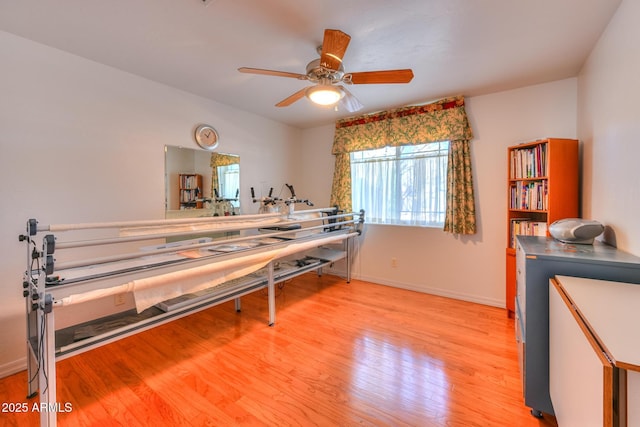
{"x":455,"y":47}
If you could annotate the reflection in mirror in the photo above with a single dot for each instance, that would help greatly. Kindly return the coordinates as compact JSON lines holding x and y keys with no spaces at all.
{"x":225,"y":183}
{"x":200,"y":183}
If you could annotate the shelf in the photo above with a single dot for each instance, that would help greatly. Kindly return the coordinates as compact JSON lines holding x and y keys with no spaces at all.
{"x":189,"y":190}
{"x":541,"y":174}
{"x":537,"y":178}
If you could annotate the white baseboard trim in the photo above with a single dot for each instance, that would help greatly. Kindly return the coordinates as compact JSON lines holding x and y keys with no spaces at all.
{"x":425,"y":289}
{"x":13,"y":367}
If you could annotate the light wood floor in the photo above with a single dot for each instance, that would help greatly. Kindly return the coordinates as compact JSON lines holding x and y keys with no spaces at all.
{"x":339,"y":355}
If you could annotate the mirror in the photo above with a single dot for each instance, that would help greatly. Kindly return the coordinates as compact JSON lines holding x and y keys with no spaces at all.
{"x":200,"y":183}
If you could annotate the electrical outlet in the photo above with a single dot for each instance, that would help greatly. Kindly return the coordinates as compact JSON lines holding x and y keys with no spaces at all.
{"x":119,"y":299}
{"x":394,"y":262}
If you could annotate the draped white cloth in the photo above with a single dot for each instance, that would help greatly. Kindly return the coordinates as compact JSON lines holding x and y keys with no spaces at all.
{"x":152,"y":290}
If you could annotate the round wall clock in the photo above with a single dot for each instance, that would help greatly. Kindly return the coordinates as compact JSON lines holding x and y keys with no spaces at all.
{"x":206,"y":137}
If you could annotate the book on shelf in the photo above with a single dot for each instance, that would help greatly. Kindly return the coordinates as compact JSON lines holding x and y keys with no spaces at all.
{"x":529,"y":195}
{"x":188,"y":181}
{"x":188,"y":196}
{"x":529,"y":162}
{"x":526,"y":227}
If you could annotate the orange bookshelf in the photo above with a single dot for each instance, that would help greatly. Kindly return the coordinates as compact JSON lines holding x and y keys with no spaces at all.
{"x":190,"y":190}
{"x":542,"y":187}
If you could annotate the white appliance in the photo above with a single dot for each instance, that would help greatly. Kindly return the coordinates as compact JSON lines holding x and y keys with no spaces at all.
{"x":576,"y":230}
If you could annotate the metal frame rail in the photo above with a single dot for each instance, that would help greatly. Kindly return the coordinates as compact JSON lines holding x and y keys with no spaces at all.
{"x":44,"y":291}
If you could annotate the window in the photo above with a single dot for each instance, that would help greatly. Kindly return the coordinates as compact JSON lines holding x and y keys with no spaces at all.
{"x":229,"y":176}
{"x":403,"y":185}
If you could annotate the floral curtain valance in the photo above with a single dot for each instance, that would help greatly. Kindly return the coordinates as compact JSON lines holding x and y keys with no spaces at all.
{"x":218,"y":159}
{"x":444,"y":120}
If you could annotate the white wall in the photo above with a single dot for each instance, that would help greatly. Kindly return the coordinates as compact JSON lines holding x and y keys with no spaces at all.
{"x":82,"y":142}
{"x":429,"y":260}
{"x":609,"y":125}
{"x":317,"y":164}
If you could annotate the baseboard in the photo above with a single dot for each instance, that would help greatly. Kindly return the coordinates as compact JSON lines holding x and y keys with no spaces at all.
{"x":425,"y":289}
{"x":13,"y":367}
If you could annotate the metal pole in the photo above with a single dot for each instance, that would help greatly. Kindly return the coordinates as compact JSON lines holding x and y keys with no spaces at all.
{"x":271,"y":294}
{"x":348,"y":243}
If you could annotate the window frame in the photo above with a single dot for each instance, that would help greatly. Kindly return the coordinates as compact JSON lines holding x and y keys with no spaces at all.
{"x":435,"y":152}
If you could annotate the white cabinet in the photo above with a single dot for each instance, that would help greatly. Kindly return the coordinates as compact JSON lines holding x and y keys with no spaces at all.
{"x":594,"y":352}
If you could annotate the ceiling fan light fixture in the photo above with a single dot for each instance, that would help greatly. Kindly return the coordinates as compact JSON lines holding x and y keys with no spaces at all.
{"x":324,"y":94}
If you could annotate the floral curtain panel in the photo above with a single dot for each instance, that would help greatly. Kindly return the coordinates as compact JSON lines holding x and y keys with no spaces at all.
{"x":444,"y":120}
{"x":460,"y":215}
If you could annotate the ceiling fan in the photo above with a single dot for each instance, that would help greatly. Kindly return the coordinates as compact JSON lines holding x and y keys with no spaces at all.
{"x":328,"y":72}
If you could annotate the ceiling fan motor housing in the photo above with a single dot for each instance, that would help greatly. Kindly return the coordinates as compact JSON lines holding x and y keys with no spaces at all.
{"x":316,"y":72}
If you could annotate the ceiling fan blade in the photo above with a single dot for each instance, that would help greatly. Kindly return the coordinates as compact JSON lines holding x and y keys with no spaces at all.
{"x":349,"y":102}
{"x":334,"y":46}
{"x":387,"y":76}
{"x":291,"y":99}
{"x":272,"y":73}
